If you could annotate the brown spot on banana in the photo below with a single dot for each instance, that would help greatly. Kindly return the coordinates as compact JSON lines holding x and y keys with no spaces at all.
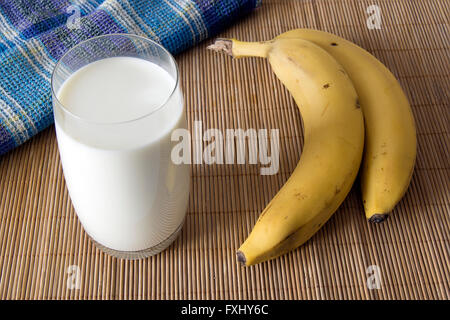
{"x":326,"y":85}
{"x":293,"y":61}
{"x":300,"y":196}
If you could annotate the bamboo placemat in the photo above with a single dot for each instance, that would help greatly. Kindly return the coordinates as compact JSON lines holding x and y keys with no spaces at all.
{"x":41,"y":236}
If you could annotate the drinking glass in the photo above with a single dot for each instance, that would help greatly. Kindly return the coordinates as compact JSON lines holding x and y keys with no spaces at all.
{"x":128,"y":194}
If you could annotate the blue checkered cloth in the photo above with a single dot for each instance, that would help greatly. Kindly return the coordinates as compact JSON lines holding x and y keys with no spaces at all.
{"x":34,"y":34}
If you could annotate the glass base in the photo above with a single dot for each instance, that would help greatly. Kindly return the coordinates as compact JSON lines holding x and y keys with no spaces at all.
{"x":135,"y":255}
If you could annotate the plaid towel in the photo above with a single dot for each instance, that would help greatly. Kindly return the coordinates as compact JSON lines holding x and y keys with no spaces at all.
{"x":34,"y":34}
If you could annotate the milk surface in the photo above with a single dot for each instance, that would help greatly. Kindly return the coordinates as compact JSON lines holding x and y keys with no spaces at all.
{"x":126,"y":191}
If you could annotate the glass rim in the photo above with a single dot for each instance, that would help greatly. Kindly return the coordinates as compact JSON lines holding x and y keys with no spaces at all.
{"x":127,"y":35}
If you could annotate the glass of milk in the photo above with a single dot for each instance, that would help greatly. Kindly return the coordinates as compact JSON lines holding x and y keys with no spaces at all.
{"x":116,"y":102}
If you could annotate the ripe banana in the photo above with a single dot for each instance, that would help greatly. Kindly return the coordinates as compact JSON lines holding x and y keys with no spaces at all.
{"x":332,"y":152}
{"x":390,"y":146}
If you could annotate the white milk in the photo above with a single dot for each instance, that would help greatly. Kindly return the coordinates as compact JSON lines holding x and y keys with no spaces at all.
{"x":126,"y":191}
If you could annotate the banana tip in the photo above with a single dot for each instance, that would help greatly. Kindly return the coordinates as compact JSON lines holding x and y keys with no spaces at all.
{"x":378,"y":217}
{"x":241,"y":258}
{"x":221,"y":45}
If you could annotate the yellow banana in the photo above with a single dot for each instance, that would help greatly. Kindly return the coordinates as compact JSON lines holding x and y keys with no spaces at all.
{"x":390,"y":146}
{"x":332,"y":152}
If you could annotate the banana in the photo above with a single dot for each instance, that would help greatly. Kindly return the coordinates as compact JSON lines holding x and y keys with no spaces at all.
{"x":390,"y":146}
{"x":332,"y":152}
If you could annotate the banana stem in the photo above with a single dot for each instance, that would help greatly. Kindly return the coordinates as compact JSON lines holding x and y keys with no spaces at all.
{"x":238,"y":49}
